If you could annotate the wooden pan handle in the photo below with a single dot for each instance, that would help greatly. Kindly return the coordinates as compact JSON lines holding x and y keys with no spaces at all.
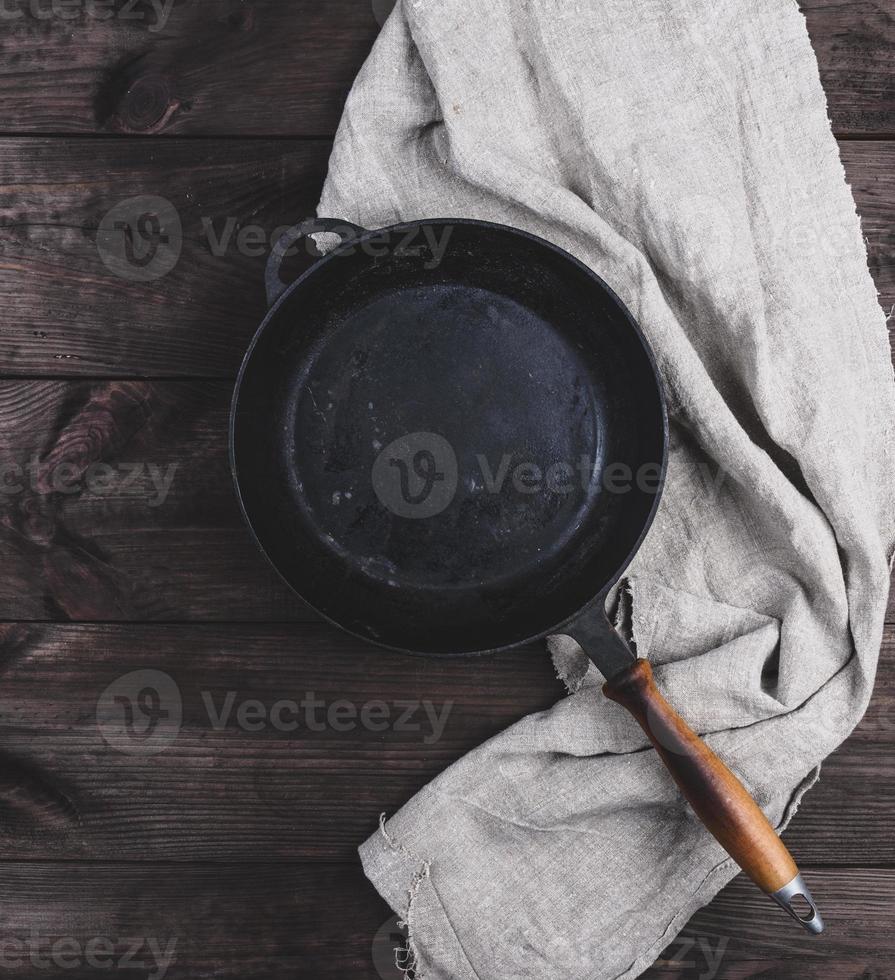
{"x":718,"y":797}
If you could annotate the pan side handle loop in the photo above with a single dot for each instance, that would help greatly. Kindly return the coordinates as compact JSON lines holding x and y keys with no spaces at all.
{"x":273,"y":284}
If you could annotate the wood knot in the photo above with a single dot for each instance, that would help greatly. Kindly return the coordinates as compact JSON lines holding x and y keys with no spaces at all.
{"x":147,"y":106}
{"x":243,"y":19}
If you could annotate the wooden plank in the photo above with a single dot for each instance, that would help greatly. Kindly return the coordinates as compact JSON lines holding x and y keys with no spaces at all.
{"x":870,"y":169}
{"x":65,"y":313}
{"x":853,"y":42}
{"x":145,"y":525}
{"x":741,"y":935}
{"x":229,"y":786}
{"x":117,"y":504}
{"x":216,"y":67}
{"x":293,"y":922}
{"x":269,"y":68}
{"x":217,"y":788}
{"x":264,"y":921}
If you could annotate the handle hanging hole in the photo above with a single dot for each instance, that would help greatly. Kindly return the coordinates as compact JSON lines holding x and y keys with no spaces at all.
{"x":803,"y":908}
{"x":795,"y":898}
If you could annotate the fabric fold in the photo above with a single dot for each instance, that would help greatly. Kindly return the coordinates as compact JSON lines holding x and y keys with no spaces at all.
{"x":683,"y":151}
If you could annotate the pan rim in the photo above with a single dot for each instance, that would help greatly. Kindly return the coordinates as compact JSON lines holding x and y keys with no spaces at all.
{"x":599,"y":597}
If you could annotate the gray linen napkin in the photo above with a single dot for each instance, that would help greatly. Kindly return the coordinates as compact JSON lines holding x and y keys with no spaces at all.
{"x":683,"y":151}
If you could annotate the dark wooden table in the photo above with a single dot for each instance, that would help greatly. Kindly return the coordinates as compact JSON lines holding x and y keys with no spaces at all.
{"x":237,"y":838}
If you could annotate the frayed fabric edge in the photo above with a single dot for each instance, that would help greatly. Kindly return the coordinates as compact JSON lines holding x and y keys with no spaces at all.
{"x":409,"y":964}
{"x":401,"y":885}
{"x":406,"y":882}
{"x":572,"y":669}
{"x":570,"y":675}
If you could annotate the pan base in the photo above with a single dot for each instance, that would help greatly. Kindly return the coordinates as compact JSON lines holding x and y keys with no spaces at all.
{"x":445,"y":437}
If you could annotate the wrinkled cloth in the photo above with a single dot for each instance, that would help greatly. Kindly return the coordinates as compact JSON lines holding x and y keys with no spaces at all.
{"x":683,"y":151}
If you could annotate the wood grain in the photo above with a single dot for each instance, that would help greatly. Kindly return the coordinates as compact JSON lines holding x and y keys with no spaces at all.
{"x":746,"y":939}
{"x":267,"y":811}
{"x":853,"y":43}
{"x":293,"y":922}
{"x":216,"y":67}
{"x":162,"y":541}
{"x":116,"y":503}
{"x":870,"y":169}
{"x":66,"y":314}
{"x":266,"y":68}
{"x":222,"y":792}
